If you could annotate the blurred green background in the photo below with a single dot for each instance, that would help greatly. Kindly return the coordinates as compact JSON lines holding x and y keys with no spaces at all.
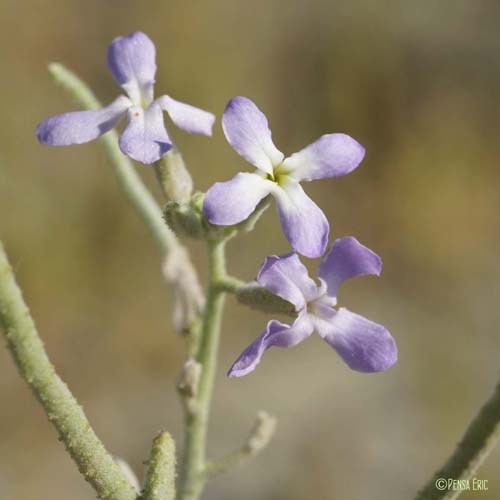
{"x":417,"y":83}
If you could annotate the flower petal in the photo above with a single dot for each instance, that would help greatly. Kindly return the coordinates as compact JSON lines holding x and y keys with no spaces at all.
{"x":78,"y":127}
{"x":347,"y":259}
{"x":230,"y":202}
{"x":304,"y":224}
{"x":246,"y":129}
{"x":131,"y":60}
{"x":187,"y":117}
{"x":331,"y":155}
{"x":364,"y":345}
{"x":144,"y":138}
{"x":287,"y":277}
{"x":276,"y":334}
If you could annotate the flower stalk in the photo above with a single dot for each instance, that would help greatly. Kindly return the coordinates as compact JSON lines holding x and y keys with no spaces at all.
{"x":63,"y":411}
{"x":193,"y":477}
{"x":187,"y":291}
{"x":259,"y":438}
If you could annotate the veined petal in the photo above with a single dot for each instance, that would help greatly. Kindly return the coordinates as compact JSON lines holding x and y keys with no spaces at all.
{"x":332,"y":155}
{"x":187,"y":117}
{"x":276,"y":334}
{"x":230,"y":202}
{"x":145,"y":138}
{"x":364,"y":345}
{"x":304,"y":224}
{"x":78,"y":127}
{"x":132,"y":61}
{"x":347,"y":259}
{"x":287,"y":277}
{"x":247,"y":130}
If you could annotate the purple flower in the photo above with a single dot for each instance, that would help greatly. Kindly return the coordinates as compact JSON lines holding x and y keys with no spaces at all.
{"x":304,"y":224}
{"x":365,"y":346}
{"x":131,"y":60}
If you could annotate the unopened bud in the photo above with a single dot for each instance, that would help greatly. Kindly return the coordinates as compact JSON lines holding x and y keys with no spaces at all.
{"x":184,"y":219}
{"x":188,"y":384}
{"x":261,"y":433}
{"x":258,"y":297}
{"x":189,"y":378}
{"x":188,"y":295}
{"x":174,"y":177}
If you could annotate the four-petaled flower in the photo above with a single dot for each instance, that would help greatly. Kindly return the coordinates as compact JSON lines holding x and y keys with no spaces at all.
{"x":131,"y":60}
{"x":365,"y":346}
{"x":304,"y":224}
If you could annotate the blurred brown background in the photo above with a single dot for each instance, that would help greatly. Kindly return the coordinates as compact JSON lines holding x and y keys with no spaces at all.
{"x":418,"y":84}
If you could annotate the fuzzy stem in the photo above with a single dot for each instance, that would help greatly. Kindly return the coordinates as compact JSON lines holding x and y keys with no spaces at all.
{"x":63,"y":411}
{"x":259,"y":438}
{"x":182,"y":274}
{"x":476,"y":444}
{"x":193,"y":476}
{"x":129,"y":181}
{"x":160,"y":476}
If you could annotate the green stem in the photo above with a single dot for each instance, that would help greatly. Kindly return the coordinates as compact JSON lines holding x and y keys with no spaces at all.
{"x":181,"y":272}
{"x":476,"y":444}
{"x":66,"y":415}
{"x":160,"y":476}
{"x":230,"y":284}
{"x":193,"y":471}
{"x":258,"y":439}
{"x":129,"y":181}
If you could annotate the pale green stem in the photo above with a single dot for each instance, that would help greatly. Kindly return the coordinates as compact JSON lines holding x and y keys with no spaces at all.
{"x":185,"y":282}
{"x":193,"y":477}
{"x":160,"y":476}
{"x":476,"y":444}
{"x":258,"y":439}
{"x":230,"y":284}
{"x":130,"y":182}
{"x":63,"y":411}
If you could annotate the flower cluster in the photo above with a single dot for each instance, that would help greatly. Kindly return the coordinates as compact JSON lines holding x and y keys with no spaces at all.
{"x":365,"y":346}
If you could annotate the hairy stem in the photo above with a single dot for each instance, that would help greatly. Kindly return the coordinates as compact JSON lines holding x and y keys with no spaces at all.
{"x":182,"y":274}
{"x":160,"y":476}
{"x":129,"y":181}
{"x":476,"y":444}
{"x":259,"y":438}
{"x":63,"y":411}
{"x":193,"y":476}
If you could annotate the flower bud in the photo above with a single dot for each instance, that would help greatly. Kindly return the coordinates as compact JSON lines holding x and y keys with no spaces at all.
{"x":258,"y":297}
{"x":174,"y":177}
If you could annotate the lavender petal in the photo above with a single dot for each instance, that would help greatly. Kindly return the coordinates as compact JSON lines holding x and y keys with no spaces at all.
{"x":288,"y":278}
{"x":347,"y":259}
{"x":247,"y":130}
{"x":145,"y":138}
{"x":276,"y":334}
{"x":332,"y":155}
{"x":132,"y":61}
{"x":231,"y":202}
{"x":364,"y":345}
{"x":78,"y":127}
{"x":304,"y":224}
{"x":187,"y":117}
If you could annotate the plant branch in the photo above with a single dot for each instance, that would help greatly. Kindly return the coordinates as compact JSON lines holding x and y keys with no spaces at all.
{"x":63,"y":411}
{"x":184,"y":280}
{"x":259,"y":438}
{"x":476,"y":444}
{"x":193,"y":477}
{"x":128,"y":179}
